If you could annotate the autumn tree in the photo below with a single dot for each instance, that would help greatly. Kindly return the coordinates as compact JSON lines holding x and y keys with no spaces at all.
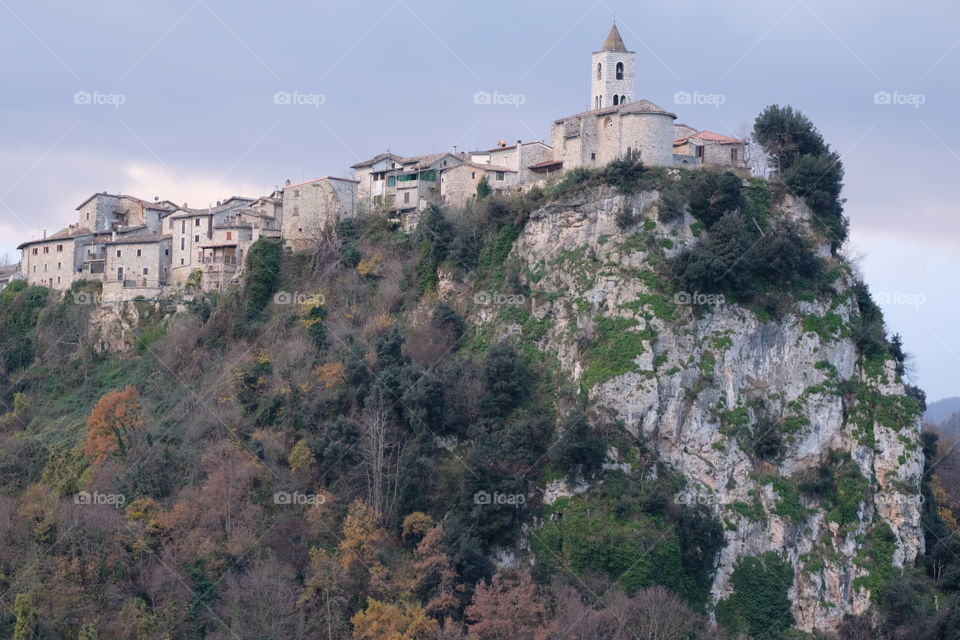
{"x":112,"y":420}
{"x":362,"y":544}
{"x":387,"y":621}
{"x":507,"y":608}
{"x":325,"y":589}
{"x":26,"y":625}
{"x":438,"y":583}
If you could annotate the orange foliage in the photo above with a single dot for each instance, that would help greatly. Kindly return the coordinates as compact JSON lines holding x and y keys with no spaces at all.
{"x":112,"y":418}
{"x":331,"y":374}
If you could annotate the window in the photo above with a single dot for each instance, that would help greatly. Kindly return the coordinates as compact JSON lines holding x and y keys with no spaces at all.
{"x":616,"y":100}
{"x":619,"y":71}
{"x":229,"y":235}
{"x":181,"y":262}
{"x":58,"y":279}
{"x":296,"y":211}
{"x":166,"y":252}
{"x":733,"y":155}
{"x":599,"y":70}
{"x":46,"y":249}
{"x":181,"y":243}
{"x":406,"y":197}
{"x":296,"y":193}
{"x":593,"y":156}
{"x":118,"y":253}
{"x":196,"y":238}
{"x":59,"y":248}
{"x":392,"y":181}
{"x":196,"y":222}
{"x":59,"y":265}
{"x":623,"y":99}
{"x":183,"y":226}
{"x":499,"y":175}
{"x":119,"y":274}
{"x":34,"y":251}
{"x":473,"y":175}
{"x":146,"y":271}
{"x":139,"y":253}
{"x":171,"y":224}
{"x":609,"y":121}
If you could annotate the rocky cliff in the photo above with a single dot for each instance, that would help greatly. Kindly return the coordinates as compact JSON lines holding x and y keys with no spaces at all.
{"x":747,"y":405}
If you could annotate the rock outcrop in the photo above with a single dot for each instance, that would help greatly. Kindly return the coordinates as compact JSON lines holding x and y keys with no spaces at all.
{"x":706,"y":381}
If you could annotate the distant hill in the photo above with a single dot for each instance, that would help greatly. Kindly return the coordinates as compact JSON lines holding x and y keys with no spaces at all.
{"x":941,"y":409}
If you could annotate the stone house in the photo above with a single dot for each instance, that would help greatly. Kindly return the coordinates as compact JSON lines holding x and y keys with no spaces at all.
{"x":309,"y":207}
{"x":707,"y":147}
{"x":518,"y":157}
{"x":136,"y":265}
{"x":459,"y":184}
{"x":55,"y":261}
{"x":104,"y":212}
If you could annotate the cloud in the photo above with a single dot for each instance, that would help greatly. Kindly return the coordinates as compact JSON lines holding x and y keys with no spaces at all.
{"x":48,"y":191}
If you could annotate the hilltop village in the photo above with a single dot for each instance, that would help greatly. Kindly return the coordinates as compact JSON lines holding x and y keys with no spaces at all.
{"x":144,"y":249}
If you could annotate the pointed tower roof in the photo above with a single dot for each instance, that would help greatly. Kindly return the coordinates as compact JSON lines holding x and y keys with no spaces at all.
{"x":613,"y":42}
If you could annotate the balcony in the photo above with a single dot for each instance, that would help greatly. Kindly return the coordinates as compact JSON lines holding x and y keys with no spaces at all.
{"x":229,"y":260}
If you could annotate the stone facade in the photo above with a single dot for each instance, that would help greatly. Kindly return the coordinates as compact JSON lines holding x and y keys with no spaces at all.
{"x":310,"y":207}
{"x":459,"y":184}
{"x":595,"y":138}
{"x":54,"y":261}
{"x":613,"y":70}
{"x":707,"y":147}
{"x":136,"y":262}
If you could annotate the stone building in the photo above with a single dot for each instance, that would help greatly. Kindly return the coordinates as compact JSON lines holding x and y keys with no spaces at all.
{"x":518,"y":157}
{"x":55,"y":261}
{"x":136,"y":265}
{"x":617,"y":125}
{"x":707,"y":147}
{"x":459,"y":184}
{"x":310,"y":207}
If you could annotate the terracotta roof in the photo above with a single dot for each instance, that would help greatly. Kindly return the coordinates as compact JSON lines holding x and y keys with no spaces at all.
{"x":64,"y":234}
{"x":375,"y":159}
{"x":114,"y":195}
{"x":637,"y":106}
{"x":709,"y":136}
{"x":144,"y":239}
{"x":613,"y":42}
{"x":546,"y":165}
{"x":523,"y":144}
{"x":287,"y":186}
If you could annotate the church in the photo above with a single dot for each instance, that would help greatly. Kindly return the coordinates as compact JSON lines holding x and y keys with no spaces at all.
{"x":618,"y":124}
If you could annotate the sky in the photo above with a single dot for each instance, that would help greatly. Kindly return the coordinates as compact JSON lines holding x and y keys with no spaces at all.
{"x":197,"y":100}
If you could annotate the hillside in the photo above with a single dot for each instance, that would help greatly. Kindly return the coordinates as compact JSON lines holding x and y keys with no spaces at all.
{"x":636,"y":395}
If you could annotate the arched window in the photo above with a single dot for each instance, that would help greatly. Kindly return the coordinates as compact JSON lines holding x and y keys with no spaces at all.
{"x":608,"y":122}
{"x":616,"y":100}
{"x":599,"y":70}
{"x":619,"y":71}
{"x":623,"y":99}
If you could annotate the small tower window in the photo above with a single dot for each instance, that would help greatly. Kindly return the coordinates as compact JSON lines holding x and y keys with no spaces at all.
{"x":619,"y":71}
{"x":599,"y":70}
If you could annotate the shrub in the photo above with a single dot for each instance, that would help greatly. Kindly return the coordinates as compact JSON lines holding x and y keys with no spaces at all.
{"x":578,"y":449}
{"x":818,"y":179}
{"x":759,"y":604}
{"x":263,"y":275}
{"x":714,"y":196}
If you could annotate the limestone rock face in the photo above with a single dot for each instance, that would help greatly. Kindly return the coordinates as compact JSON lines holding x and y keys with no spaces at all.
{"x":701,"y":379}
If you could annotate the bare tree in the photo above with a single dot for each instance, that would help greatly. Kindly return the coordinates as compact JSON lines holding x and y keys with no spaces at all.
{"x":754,"y":157}
{"x":382,"y":449}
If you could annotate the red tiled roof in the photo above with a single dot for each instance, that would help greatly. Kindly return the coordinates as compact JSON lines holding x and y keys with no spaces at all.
{"x":710,"y":136}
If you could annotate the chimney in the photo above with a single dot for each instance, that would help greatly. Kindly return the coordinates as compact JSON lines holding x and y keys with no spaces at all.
{"x":44,"y":234}
{"x":113,"y":236}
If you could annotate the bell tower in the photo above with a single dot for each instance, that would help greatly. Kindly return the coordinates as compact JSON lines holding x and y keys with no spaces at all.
{"x":612,"y":73}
